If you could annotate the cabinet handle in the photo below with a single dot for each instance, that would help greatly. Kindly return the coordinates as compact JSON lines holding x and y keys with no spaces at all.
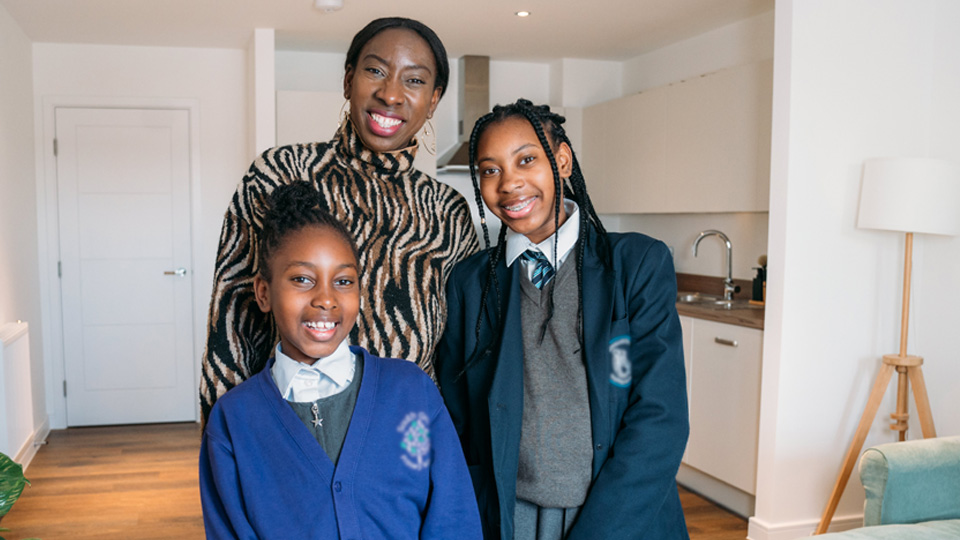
{"x":728,"y":342}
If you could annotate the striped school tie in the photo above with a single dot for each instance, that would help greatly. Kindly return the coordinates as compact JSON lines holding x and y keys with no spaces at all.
{"x":543,"y":272}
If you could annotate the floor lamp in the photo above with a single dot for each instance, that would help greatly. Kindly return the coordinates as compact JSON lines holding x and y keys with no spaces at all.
{"x":908,"y":195}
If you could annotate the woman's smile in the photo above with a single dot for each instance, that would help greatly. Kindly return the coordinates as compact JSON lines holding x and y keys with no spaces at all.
{"x":384,"y":124}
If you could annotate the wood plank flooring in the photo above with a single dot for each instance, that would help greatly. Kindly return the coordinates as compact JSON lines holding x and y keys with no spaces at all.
{"x":140,"y":483}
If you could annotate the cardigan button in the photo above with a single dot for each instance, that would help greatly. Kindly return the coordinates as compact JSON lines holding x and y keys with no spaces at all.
{"x":599,"y":447}
{"x":336,"y":487}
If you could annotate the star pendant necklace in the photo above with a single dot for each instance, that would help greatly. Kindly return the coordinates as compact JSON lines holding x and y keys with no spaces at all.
{"x":317,"y":421}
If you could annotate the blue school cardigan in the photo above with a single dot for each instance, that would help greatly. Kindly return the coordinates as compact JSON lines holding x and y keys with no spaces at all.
{"x":635,"y":379}
{"x":401,"y":473}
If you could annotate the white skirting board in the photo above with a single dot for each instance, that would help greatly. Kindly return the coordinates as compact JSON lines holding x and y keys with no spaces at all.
{"x":17,"y":432}
{"x":761,"y":530}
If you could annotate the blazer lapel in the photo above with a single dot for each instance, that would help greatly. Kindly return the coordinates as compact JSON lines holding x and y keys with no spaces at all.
{"x":599,"y":288}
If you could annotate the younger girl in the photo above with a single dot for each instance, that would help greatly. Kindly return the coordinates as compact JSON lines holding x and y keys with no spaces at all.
{"x":328,"y":441}
{"x":562,"y":363}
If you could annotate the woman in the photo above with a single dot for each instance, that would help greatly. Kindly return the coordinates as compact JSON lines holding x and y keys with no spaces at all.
{"x":411,"y":230}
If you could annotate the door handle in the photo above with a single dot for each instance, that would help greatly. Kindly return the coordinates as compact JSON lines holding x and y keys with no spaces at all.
{"x":727,"y":342}
{"x":178,"y":272}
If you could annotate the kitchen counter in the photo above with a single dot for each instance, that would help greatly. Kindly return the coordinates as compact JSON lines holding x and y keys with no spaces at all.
{"x":749,"y":317}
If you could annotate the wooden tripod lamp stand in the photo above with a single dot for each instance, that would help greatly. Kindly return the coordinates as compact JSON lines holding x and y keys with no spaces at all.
{"x":911,"y":196}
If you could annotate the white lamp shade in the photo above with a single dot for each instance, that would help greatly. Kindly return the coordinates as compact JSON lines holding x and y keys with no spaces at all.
{"x":917,"y":195}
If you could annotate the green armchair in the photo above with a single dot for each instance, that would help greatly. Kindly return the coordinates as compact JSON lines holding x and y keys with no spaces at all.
{"x":912,"y":491}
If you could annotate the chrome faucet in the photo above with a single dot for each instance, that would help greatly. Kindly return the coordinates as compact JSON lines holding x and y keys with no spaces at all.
{"x":728,"y":287}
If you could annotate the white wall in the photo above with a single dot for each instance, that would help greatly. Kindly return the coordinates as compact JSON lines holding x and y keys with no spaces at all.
{"x":214,"y":78}
{"x":510,"y":81}
{"x":309,"y":71}
{"x":19,"y":272}
{"x":747,"y":232}
{"x":853,"y":80}
{"x":582,"y":83}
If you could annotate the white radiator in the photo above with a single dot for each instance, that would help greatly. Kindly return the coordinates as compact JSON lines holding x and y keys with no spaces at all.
{"x":16,"y":405}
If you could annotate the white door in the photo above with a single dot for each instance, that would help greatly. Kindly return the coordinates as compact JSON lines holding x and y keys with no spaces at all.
{"x":123,"y":179}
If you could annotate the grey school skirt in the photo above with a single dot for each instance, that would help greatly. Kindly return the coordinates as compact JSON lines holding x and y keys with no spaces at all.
{"x":531,"y":522}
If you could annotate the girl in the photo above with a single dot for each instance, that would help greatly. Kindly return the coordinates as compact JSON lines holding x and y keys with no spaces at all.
{"x":562,"y":363}
{"x":270,"y":458}
{"x":410,"y":229}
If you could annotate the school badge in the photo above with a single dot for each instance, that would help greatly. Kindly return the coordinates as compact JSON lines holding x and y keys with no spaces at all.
{"x":415,"y":440}
{"x":621,"y":369}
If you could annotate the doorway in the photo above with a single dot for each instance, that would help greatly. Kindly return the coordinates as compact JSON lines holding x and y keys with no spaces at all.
{"x":123,"y":197}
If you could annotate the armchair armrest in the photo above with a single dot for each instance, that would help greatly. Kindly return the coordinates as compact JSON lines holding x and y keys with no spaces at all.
{"x":911,"y":481}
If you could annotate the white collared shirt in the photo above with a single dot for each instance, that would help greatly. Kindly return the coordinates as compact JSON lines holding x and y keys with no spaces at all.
{"x":567,"y":237}
{"x":327,"y":376}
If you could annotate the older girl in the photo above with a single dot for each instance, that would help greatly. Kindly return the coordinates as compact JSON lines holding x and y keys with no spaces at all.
{"x":562,"y":363}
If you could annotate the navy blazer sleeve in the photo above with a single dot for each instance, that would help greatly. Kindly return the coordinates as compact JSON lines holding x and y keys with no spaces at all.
{"x":634,"y":495}
{"x":450,"y":358}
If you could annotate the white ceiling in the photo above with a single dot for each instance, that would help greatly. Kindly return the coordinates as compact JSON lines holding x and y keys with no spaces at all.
{"x":594,"y":29}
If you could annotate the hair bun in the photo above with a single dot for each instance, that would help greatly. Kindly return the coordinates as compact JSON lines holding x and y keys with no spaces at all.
{"x":293,"y":198}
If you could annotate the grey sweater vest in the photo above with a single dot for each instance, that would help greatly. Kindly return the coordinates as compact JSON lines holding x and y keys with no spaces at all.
{"x":334,"y":414}
{"x":556,"y":454}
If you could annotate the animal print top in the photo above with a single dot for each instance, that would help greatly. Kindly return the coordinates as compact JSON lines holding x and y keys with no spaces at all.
{"x":410,"y":230}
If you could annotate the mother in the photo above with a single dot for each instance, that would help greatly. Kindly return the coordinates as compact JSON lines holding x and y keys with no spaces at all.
{"x":410,"y":229}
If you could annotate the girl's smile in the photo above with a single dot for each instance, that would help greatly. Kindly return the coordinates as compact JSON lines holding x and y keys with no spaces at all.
{"x":322,"y":330}
{"x":520,"y":209}
{"x":516,"y":179}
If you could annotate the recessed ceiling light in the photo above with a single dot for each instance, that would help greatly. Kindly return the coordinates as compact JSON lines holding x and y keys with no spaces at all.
{"x":522,"y":14}
{"x":328,"y":6}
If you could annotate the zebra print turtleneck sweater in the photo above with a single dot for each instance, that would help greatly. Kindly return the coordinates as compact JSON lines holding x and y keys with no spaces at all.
{"x":410,"y":229}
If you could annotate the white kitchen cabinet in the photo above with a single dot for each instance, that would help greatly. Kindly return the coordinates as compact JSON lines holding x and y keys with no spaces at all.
{"x":723,"y":365}
{"x":700,"y":145}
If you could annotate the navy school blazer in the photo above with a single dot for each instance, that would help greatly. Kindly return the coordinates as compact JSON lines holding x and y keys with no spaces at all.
{"x":636,"y":384}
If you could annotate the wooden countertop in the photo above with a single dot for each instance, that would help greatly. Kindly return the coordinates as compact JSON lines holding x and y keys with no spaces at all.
{"x":750,"y":317}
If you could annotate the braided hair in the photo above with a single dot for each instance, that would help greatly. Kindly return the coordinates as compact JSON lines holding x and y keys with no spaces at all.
{"x":291,"y":208}
{"x":549,"y":129}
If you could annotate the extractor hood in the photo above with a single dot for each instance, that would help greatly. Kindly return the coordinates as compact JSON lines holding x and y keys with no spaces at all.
{"x":474,"y":102}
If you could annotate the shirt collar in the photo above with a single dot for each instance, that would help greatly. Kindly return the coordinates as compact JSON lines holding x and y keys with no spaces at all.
{"x":339,"y":367}
{"x":567,"y":237}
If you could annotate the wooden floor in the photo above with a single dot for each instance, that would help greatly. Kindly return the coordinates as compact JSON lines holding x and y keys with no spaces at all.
{"x":140,"y":483}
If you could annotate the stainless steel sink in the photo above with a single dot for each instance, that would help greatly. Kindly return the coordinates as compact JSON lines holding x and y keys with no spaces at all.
{"x":712,"y":301}
{"x":696,"y":298}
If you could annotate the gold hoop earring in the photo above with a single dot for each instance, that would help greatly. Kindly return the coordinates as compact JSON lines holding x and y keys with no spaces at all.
{"x":431,"y":133}
{"x":344,"y":113}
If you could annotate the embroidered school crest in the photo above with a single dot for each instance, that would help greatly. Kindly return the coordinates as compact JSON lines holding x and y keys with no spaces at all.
{"x":415,"y":440}
{"x":621,"y":369}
